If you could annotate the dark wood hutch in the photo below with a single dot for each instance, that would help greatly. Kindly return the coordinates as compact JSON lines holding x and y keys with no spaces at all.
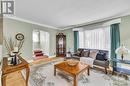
{"x":60,"y":45}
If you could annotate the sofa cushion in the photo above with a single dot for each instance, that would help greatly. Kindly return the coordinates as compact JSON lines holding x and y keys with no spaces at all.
{"x":87,"y":60}
{"x":93,"y":54}
{"x":101,"y":56}
{"x":106,"y":53}
{"x":101,"y":63}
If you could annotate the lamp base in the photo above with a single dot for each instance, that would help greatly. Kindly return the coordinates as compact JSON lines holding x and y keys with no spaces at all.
{"x":122,"y":57}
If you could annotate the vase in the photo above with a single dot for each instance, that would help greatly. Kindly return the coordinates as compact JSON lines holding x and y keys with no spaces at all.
{"x":15,"y":60}
{"x":12,"y":60}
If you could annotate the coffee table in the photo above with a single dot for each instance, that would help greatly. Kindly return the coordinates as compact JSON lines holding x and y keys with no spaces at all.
{"x":72,"y":71}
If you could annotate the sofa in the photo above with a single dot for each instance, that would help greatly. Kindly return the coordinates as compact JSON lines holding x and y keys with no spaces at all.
{"x":93,"y":57}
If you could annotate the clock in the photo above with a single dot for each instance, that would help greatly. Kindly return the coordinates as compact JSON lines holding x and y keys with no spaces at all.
{"x":19,"y":36}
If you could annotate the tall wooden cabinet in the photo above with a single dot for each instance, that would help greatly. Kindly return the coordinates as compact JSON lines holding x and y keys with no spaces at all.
{"x":60,"y":45}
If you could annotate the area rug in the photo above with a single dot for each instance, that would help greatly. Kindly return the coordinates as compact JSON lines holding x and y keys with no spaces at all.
{"x":43,"y":75}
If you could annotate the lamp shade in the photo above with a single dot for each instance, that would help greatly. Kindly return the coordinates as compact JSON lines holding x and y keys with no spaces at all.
{"x":122,"y":50}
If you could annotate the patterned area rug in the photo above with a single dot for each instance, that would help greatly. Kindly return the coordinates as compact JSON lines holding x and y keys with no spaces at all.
{"x":43,"y":75}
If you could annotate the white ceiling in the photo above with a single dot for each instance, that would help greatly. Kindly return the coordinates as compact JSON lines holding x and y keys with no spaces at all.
{"x":62,"y":13}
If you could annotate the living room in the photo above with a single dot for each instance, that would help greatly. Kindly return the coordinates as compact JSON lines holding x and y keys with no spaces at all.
{"x":94,"y":37}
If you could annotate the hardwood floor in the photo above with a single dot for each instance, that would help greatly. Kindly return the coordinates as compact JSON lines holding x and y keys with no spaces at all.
{"x":43,"y":61}
{"x":15,"y":79}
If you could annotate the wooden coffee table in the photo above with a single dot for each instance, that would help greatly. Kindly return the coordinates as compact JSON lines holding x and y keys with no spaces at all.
{"x":72,"y":71}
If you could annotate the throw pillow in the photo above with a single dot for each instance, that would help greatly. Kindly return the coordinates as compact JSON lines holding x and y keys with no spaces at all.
{"x":93,"y":54}
{"x":78,"y":52}
{"x":101,"y":56}
{"x":85,"y":54}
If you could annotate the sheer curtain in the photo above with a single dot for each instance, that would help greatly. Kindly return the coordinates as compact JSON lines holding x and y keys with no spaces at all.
{"x":95,"y":39}
{"x":44,"y":42}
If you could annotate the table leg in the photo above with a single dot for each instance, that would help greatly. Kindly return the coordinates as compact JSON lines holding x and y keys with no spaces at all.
{"x":88,"y":71}
{"x":75,"y":81}
{"x":113,"y":72}
{"x":3,"y":80}
{"x":54,"y":71}
{"x":105,"y":70}
{"x":27,"y":75}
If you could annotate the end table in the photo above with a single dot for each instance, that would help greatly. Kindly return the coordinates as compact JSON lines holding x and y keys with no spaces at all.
{"x":7,"y":69}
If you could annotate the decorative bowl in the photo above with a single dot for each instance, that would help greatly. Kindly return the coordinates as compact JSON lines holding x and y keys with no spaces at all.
{"x":72,"y":63}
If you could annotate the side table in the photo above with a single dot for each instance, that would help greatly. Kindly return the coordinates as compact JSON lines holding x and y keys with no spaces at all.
{"x":121,"y":71}
{"x":7,"y":69}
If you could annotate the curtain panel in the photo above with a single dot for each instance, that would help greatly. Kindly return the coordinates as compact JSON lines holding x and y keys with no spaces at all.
{"x":76,"y":40}
{"x":115,"y":42}
{"x":44,"y":42}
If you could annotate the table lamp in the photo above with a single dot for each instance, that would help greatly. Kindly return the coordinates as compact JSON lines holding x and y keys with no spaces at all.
{"x":122,"y":51}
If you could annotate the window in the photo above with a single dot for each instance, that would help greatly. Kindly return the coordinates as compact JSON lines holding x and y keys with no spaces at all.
{"x":36,"y":40}
{"x":41,"y":41}
{"x":36,"y":36}
{"x":95,"y":39}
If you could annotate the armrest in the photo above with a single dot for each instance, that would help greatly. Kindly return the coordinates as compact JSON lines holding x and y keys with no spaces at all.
{"x":107,"y":63}
{"x":74,"y":54}
{"x":101,"y":63}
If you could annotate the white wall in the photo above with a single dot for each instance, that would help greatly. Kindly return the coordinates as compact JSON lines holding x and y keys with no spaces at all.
{"x":0,"y":53}
{"x":12,"y":27}
{"x":125,"y":32}
{"x":69,"y":39}
{"x":1,"y":35}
